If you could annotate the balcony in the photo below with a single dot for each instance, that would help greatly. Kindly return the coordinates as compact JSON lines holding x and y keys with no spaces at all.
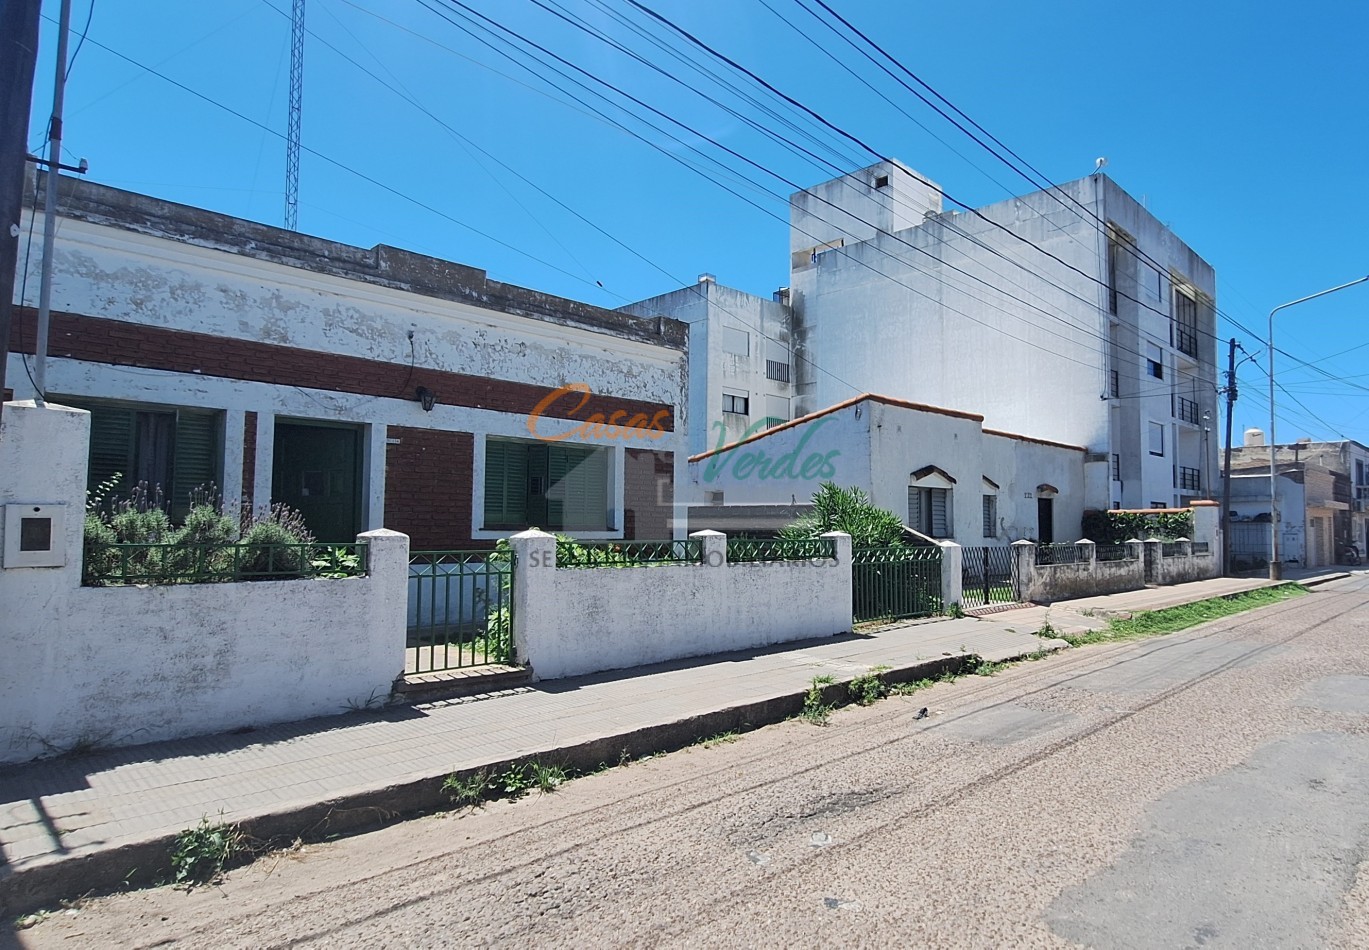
{"x":1189,"y":479}
{"x":1186,"y":410}
{"x":1186,"y":340}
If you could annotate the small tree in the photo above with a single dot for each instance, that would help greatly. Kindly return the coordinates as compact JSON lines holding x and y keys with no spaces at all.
{"x":849,"y":510}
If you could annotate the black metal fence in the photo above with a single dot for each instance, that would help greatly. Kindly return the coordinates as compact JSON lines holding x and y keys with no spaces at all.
{"x":115,"y":565}
{"x":573,"y":554}
{"x":896,"y":582}
{"x":987,"y":576}
{"x":460,"y":610}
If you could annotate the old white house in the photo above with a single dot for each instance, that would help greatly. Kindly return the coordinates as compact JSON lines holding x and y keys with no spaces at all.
{"x":366,"y":387}
{"x":941,"y":469}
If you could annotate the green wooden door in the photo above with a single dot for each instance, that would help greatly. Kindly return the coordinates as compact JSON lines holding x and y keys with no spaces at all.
{"x":316,"y":469}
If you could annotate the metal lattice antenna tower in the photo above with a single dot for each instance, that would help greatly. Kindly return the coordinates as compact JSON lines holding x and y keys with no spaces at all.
{"x":292,"y":132}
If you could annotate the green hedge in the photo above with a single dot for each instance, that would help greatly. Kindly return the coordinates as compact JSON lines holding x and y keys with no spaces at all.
{"x":1118,"y":527}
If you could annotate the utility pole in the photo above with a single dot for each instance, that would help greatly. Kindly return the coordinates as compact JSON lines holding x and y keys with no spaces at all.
{"x":18,"y":58}
{"x":59,"y":89}
{"x":1226,"y":468}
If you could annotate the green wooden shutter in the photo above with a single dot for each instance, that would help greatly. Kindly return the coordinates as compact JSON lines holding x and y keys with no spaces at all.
{"x":941,"y":513}
{"x":111,"y":447}
{"x":195,"y":462}
{"x":579,"y":487}
{"x":506,"y":484}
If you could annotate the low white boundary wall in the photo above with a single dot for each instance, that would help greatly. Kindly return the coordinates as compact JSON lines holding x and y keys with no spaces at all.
{"x":568,"y":622}
{"x":126,"y":665}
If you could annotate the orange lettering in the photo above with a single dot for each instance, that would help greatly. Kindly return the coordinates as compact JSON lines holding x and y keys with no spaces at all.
{"x":546,"y":403}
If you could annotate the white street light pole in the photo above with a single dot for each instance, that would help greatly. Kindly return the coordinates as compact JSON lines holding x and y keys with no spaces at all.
{"x":1275,"y":567}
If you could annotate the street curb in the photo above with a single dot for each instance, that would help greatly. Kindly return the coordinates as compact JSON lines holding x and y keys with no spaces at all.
{"x":146,"y":862}
{"x":1323,"y":579}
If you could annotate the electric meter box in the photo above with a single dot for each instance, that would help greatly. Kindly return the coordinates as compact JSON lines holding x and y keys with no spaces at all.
{"x":35,"y":535}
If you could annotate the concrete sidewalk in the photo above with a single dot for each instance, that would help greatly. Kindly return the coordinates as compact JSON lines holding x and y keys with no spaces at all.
{"x":91,"y":822}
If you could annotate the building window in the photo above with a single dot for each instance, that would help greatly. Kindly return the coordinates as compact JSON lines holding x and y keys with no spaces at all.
{"x":172,"y":450}
{"x":777,"y":371}
{"x":929,"y":511}
{"x":1114,"y":267}
{"x":990,"y":516}
{"x":881,"y":181}
{"x":1116,"y":468}
{"x":545,"y":485}
{"x":772,"y":421}
{"x":741,"y":405}
{"x":1155,"y":361}
{"x":737,"y":342}
{"x":1157,"y":438}
{"x":1185,"y":323}
{"x":1158,"y":504}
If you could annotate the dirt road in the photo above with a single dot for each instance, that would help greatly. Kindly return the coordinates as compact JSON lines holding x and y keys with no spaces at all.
{"x":1209,"y":789}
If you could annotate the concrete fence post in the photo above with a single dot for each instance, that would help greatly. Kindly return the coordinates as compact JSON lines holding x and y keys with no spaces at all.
{"x":534,"y":602}
{"x":387,"y":570}
{"x":842,"y":544}
{"x":1153,"y":558}
{"x":1088,"y":552}
{"x":714,"y":547}
{"x":952,"y":573}
{"x":1023,"y":571}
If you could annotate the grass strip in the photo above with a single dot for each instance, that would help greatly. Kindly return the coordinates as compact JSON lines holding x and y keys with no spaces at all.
{"x":1151,"y":623}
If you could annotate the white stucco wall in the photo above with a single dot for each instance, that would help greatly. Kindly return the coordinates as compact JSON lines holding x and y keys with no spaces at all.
{"x":127,"y":665}
{"x":569,"y":622}
{"x":717,"y":314}
{"x":876,"y":446}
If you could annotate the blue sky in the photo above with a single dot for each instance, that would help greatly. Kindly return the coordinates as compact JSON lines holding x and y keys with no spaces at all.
{"x":1242,"y":125}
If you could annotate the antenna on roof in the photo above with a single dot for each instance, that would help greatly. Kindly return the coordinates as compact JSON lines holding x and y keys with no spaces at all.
{"x":292,"y":124}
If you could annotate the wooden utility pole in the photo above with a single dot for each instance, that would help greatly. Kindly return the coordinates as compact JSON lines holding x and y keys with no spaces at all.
{"x":18,"y":56}
{"x":1226,"y":468}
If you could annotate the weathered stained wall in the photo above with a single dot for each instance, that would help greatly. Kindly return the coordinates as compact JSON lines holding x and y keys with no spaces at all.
{"x":127,"y":665}
{"x":166,"y":305}
{"x":570,"y":621}
{"x":930,"y":307}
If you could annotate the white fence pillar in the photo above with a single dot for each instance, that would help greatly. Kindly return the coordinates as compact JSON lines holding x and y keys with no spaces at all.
{"x":842,"y":543}
{"x":714,"y":545}
{"x":952,"y":574}
{"x":534,"y":570}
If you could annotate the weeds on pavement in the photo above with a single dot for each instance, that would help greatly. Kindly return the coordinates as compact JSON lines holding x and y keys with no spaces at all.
{"x":815,"y":711}
{"x":200,"y":853}
{"x":1150,"y":623}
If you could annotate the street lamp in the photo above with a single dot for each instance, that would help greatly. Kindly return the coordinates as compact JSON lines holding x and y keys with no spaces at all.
{"x":1276,"y":568}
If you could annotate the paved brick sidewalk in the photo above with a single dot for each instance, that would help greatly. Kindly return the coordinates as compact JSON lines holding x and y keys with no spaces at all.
{"x":87,"y":813}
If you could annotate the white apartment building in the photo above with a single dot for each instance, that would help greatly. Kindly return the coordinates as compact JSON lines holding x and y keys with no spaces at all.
{"x":1072,"y":315}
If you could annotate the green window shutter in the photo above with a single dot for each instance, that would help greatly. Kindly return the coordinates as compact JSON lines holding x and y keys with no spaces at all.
{"x":111,"y":447}
{"x":579,"y":487}
{"x":941,"y":512}
{"x":506,"y":483}
{"x":196,"y":458}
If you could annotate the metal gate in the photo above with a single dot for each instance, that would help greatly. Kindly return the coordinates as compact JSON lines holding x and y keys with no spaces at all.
{"x":892,"y":583}
{"x":460,"y":610}
{"x":987,"y":576}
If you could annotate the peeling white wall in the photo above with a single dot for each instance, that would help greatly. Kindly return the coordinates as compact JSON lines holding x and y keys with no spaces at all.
{"x":116,"y":274}
{"x":127,"y":665}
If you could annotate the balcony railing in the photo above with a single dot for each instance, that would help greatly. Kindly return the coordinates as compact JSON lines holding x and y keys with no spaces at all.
{"x":1190,"y":479}
{"x":1186,"y":340}
{"x":1116,"y":387}
{"x":1186,"y":410}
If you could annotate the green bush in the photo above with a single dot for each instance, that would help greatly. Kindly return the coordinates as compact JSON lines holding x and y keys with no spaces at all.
{"x":849,"y":510}
{"x":1118,"y":527}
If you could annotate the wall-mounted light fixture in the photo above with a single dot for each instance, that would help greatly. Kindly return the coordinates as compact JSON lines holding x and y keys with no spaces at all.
{"x":427,"y":397}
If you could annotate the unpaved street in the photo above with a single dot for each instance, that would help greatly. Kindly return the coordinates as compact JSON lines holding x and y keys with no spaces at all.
{"x":1206,"y":789}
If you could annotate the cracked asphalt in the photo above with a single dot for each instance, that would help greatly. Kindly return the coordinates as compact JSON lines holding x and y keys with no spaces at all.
{"x":1204,"y":789}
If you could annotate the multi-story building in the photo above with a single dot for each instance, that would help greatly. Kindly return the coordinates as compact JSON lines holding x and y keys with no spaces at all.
{"x":1071,"y":315}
